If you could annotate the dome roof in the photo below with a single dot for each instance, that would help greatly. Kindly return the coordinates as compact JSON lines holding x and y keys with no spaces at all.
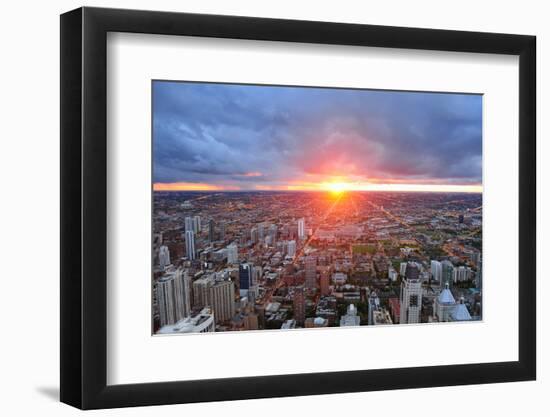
{"x":446,"y":297}
{"x":461,"y":313}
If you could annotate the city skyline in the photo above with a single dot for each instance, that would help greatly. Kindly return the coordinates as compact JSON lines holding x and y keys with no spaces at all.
{"x":313,"y":139}
{"x":278,"y":208}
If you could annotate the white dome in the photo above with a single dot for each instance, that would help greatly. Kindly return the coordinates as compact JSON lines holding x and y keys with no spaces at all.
{"x":446,"y":297}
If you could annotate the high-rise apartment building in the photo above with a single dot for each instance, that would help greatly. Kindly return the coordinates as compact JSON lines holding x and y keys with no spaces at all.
{"x":173,"y":297}
{"x":164,"y":257}
{"x":299,"y":305}
{"x":190,"y":245}
{"x":291,"y":248}
{"x":411,"y":295}
{"x":311,"y":271}
{"x":436,"y":270}
{"x":216,"y":294}
{"x":302,"y":228}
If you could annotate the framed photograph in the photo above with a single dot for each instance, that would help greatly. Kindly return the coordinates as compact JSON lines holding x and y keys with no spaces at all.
{"x":257,"y":208}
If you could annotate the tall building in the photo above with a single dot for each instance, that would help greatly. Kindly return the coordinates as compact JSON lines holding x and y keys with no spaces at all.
{"x":324,"y":282}
{"x":260,"y":228}
{"x":216,"y":294}
{"x":245,"y":278}
{"x":402,"y":268}
{"x":197,"y":224}
{"x":203,"y":322}
{"x":411,"y":295}
{"x":373,"y":305}
{"x":299,"y":305}
{"x":479,"y":277}
{"x":254,"y":235}
{"x":164,"y":257}
{"x":291,"y":248}
{"x":302,"y":228}
{"x":436,"y":271}
{"x":190,"y":245}
{"x":189,"y":224}
{"x":173,"y":297}
{"x":211,"y":231}
{"x":232,"y":254}
{"x":222,"y":230}
{"x":311,"y":271}
{"x":273,"y":233}
{"x":447,"y":273}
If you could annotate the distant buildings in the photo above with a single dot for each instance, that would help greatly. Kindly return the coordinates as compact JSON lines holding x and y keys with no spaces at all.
{"x":173,"y":297}
{"x":301,"y":229}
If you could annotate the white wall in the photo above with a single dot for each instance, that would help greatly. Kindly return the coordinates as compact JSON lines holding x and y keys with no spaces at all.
{"x":29,"y":266}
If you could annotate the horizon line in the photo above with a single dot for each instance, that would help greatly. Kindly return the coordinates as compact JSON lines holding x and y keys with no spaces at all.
{"x":410,"y":188}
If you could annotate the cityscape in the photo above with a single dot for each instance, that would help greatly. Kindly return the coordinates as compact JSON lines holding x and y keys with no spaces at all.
{"x":376,"y":220}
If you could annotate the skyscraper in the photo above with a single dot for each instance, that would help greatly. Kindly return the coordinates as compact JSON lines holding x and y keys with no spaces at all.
{"x":324,"y":282}
{"x":197,"y":224}
{"x":301,"y":228}
{"x":411,"y":295}
{"x":311,"y":271}
{"x":447,"y":273}
{"x":245,"y":278}
{"x":232,"y":254}
{"x":217,"y":294}
{"x":291,"y":248}
{"x":164,"y":257}
{"x":211,"y":230}
{"x":374,"y":305}
{"x":299,"y":305}
{"x":190,"y":245}
{"x":173,"y":297}
{"x":189,"y":224}
{"x":436,"y":271}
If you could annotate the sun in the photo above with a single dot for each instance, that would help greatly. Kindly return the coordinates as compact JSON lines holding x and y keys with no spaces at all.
{"x":338,"y":187}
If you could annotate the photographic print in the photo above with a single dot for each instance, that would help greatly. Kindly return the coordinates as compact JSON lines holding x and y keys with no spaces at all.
{"x":291,"y":207}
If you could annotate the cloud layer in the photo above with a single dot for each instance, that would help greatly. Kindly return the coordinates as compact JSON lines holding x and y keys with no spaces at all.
{"x":254,"y":137}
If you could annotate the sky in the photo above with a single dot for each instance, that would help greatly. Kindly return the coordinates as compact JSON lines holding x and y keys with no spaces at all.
{"x":210,"y":136}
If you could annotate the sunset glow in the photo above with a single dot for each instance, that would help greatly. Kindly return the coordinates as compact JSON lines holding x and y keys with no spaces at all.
{"x":335,"y":188}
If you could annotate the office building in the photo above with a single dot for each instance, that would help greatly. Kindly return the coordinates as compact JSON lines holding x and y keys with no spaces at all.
{"x":164,"y":257}
{"x":301,"y":229}
{"x":411,"y":295}
{"x":217,"y":294}
{"x":436,"y":270}
{"x":299,"y":305}
{"x":190,"y":245}
{"x":173,"y":297}
{"x":311,"y":272}
{"x":291,"y":248}
{"x":232,"y":254}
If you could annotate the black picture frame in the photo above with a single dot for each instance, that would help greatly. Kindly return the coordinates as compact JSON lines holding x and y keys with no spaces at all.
{"x":84,"y":207}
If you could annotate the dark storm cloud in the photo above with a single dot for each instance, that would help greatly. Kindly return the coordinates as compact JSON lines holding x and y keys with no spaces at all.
{"x":248,"y":135}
